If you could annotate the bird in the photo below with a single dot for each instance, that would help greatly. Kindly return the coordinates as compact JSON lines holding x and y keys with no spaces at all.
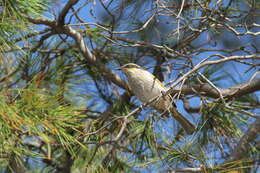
{"x":145,"y":86}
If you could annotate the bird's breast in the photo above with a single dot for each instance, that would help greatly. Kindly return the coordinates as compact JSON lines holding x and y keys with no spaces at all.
{"x":144,"y":85}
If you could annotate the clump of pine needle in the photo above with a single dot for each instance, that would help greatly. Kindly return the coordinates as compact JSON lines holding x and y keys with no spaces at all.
{"x":36,"y":112}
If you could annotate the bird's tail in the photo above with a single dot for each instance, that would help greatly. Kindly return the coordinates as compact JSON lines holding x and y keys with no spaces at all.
{"x":186,"y":124}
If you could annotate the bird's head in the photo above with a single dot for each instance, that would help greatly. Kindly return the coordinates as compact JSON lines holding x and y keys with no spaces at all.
{"x":129,"y":67}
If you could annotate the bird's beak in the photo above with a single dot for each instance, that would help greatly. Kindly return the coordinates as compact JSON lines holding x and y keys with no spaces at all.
{"x":119,"y":68}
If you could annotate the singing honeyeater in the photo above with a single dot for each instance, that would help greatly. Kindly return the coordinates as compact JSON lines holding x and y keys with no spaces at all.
{"x":146,"y":86}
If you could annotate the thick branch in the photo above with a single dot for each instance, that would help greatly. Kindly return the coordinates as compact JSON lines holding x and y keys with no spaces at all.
{"x":86,"y":52}
{"x":41,"y":21}
{"x":242,"y":89}
{"x":91,"y":58}
{"x":199,"y":169}
{"x":206,"y":89}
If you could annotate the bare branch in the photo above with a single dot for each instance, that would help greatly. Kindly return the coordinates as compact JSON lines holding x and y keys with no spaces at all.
{"x":199,"y":169}
{"x":41,"y":21}
{"x":206,"y":89}
{"x":125,"y":121}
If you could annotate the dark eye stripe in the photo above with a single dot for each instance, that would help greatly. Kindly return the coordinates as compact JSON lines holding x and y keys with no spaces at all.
{"x":131,"y":66}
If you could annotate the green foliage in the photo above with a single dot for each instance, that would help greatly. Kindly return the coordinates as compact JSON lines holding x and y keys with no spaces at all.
{"x":20,"y":7}
{"x":13,"y":24}
{"x":37,"y":112}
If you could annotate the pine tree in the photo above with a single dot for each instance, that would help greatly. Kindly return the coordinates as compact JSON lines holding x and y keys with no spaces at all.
{"x":64,"y":107}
